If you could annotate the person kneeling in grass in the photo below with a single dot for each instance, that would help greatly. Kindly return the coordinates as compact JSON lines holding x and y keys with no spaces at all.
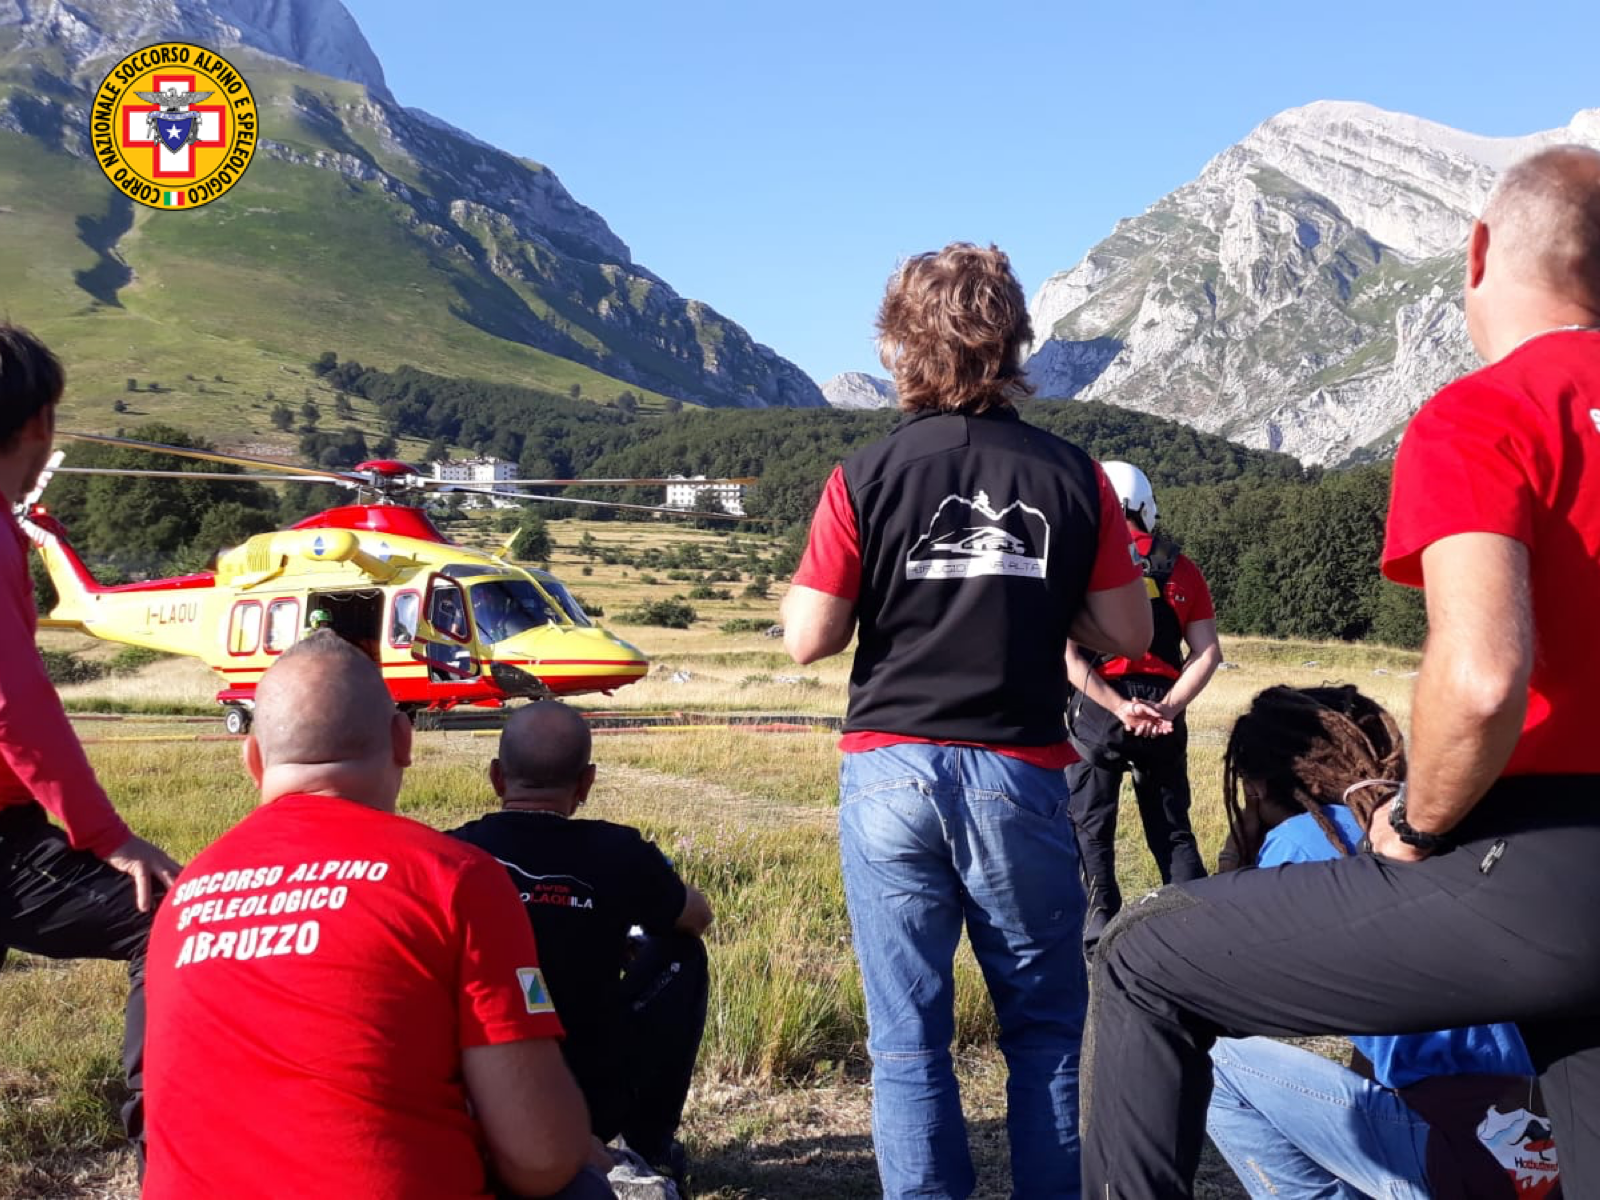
{"x":634,"y":1008}
{"x":1453,"y":1113}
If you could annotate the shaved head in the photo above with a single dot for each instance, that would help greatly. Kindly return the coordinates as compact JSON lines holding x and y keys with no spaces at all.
{"x":322,"y":704}
{"x":544,"y":748}
{"x":1544,"y":219}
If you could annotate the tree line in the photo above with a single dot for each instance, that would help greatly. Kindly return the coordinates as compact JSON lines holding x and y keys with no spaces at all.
{"x":1288,"y":551}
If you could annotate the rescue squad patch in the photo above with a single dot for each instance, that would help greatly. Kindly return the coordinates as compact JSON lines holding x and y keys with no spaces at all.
{"x":534,"y":992}
{"x":173,"y":125}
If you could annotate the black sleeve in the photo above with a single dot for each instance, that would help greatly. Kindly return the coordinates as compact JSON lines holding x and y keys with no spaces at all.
{"x":658,"y":895}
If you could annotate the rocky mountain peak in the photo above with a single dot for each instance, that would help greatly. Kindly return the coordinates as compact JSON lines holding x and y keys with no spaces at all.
{"x":857,"y":389}
{"x":496,"y":243}
{"x":1302,"y":293}
{"x":319,"y":35}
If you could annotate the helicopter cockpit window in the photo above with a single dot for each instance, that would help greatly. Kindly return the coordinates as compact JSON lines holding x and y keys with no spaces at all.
{"x":569,"y":602}
{"x":403,"y":619}
{"x":504,"y":608}
{"x":446,"y":612}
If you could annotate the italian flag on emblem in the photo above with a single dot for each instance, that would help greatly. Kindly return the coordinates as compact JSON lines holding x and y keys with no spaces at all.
{"x":174,"y":199}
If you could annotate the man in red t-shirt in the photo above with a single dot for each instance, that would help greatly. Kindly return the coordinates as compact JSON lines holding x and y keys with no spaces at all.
{"x":1128,"y":715}
{"x":344,"y":1002}
{"x":83,"y":885}
{"x":1477,"y":902}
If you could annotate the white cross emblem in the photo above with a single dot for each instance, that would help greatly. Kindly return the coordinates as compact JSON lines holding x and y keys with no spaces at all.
{"x":175,"y":163}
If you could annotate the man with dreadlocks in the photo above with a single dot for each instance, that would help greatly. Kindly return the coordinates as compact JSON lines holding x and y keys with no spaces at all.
{"x":1478,"y":904}
{"x":1450,"y":1113}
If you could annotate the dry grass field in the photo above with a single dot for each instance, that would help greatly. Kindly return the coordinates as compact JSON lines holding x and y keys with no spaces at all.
{"x":781,"y":1104}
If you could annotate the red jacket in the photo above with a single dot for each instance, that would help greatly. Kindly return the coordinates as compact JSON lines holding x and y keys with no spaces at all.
{"x":40,"y":758}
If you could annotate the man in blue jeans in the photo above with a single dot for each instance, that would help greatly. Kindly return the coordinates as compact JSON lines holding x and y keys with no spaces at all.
{"x":966,"y":548}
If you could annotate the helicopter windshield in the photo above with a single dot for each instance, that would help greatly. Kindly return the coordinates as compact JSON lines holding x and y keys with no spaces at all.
{"x":504,"y":608}
{"x":569,"y":602}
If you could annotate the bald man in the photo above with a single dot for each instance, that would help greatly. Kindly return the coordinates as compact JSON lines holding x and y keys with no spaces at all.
{"x":634,"y":1009}
{"x":342,"y":1001}
{"x":1478,"y":902}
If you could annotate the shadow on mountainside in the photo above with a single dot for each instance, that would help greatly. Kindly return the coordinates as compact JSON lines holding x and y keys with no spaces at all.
{"x":110,"y":274}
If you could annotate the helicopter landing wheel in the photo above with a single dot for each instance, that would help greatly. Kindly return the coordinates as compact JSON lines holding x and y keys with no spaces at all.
{"x":237,"y":719}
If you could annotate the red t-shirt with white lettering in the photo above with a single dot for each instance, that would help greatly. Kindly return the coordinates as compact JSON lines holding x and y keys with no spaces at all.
{"x":1514,"y":449}
{"x":832,"y":564}
{"x":312,"y":980}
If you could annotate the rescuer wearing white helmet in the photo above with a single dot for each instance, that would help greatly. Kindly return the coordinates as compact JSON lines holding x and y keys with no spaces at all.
{"x":1127,"y":714}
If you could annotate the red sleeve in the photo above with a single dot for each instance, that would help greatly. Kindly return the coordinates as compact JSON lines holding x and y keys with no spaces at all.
{"x":503,"y":993}
{"x":1116,"y":562}
{"x":1193,"y":585}
{"x":832,"y":561}
{"x":1465,"y":465}
{"x":40,"y":755}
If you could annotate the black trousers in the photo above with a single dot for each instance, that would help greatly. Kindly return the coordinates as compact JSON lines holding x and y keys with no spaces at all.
{"x":1160,"y":769}
{"x":637,"y":1083}
{"x":66,"y":903}
{"x":1500,"y":928}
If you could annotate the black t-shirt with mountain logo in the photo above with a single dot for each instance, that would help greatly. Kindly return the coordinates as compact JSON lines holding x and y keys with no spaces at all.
{"x":585,"y":884}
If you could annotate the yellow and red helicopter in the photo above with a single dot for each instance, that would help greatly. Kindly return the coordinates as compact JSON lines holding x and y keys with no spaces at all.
{"x":447,"y":625}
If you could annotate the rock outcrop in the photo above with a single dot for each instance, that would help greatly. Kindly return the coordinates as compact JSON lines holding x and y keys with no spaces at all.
{"x":1302,"y":294}
{"x":857,"y":390}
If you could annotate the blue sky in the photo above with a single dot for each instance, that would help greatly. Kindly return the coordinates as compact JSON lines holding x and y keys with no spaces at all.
{"x":776,"y":160}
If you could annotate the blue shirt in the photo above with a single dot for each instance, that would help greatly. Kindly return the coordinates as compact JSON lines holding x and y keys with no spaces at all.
{"x":1400,"y":1061}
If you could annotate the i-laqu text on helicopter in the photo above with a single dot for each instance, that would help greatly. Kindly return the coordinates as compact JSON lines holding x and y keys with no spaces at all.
{"x":447,"y":625}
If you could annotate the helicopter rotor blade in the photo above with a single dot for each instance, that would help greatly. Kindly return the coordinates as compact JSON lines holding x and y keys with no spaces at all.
{"x":51,"y":466}
{"x":649,"y":508}
{"x":206,"y":476}
{"x":235,"y":460}
{"x":554,"y":483}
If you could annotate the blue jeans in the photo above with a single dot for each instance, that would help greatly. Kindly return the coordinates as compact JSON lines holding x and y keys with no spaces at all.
{"x":1295,"y":1126}
{"x":931,"y":838}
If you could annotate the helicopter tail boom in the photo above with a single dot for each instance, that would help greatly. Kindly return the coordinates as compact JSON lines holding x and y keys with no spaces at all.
{"x":74,"y":583}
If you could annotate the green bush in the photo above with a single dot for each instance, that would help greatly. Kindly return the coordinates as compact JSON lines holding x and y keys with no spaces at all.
{"x":130,"y":659}
{"x":594,"y":610}
{"x":64,"y":668}
{"x":704,"y":591}
{"x":675,"y":613}
{"x":746,"y":625}
{"x":533,"y":542}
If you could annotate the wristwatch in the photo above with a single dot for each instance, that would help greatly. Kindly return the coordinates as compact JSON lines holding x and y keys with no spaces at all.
{"x":1402,"y":827}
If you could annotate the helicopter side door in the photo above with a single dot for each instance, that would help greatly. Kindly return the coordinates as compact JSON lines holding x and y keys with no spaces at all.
{"x":444,"y":632}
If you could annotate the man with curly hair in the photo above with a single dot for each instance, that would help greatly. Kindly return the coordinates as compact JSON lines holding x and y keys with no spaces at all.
{"x":964,"y":550}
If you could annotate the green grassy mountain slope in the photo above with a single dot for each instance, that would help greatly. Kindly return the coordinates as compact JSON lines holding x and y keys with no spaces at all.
{"x":361,"y":228}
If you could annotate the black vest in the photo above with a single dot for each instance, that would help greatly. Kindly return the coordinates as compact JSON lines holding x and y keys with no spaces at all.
{"x":978,"y":536}
{"x":1167,"y":642}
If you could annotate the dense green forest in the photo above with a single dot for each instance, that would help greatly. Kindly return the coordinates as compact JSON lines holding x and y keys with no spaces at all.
{"x":1288,"y":551}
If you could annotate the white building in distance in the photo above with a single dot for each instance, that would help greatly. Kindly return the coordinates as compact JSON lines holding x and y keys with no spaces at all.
{"x":485,"y":472}
{"x":489,"y":470}
{"x":692,"y":494}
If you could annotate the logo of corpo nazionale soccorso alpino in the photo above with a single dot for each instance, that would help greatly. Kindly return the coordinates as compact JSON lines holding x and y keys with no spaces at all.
{"x":173,"y":125}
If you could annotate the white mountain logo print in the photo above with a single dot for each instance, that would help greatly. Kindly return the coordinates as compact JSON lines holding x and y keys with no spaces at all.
{"x":1522,"y":1145}
{"x":968,"y":538}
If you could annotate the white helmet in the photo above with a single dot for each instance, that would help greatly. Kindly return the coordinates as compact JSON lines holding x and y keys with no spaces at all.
{"x":1133,"y":489}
